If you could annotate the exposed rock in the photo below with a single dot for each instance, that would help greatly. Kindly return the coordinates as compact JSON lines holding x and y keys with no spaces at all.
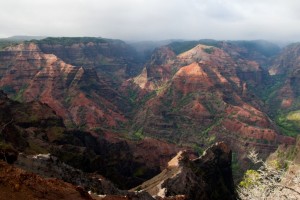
{"x":192,"y":98}
{"x":8,"y":154}
{"x":286,"y":66}
{"x":49,"y":166}
{"x":206,"y":99}
{"x":113,"y":57}
{"x":128,"y":196}
{"x":125,"y":163}
{"x":17,"y":184}
{"x":76,"y":93}
{"x":33,"y":128}
{"x":207,"y":177}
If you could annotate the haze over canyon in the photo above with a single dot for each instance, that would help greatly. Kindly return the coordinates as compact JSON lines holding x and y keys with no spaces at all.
{"x":122,"y":110}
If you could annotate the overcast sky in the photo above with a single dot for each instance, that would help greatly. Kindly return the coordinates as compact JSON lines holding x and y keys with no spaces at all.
{"x":153,"y":19}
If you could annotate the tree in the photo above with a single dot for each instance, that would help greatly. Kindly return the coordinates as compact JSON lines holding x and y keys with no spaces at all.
{"x":268,"y":182}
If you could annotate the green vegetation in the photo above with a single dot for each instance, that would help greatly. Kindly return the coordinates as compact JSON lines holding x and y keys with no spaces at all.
{"x":132,"y":94}
{"x":294,"y":116}
{"x":5,"y":43}
{"x":89,"y":86}
{"x":11,"y":41}
{"x":251,"y":178}
{"x":8,"y":89}
{"x":67,"y":41}
{"x":147,"y":97}
{"x":162,"y":88}
{"x":185,"y":100}
{"x":19,"y":95}
{"x":198,"y":149}
{"x":180,"y":47}
{"x":138,"y":135}
{"x":267,"y":90}
{"x":285,"y":155}
{"x":5,"y":146}
{"x":235,"y":166}
{"x":74,"y":158}
{"x":287,"y":120}
{"x":263,"y":47}
{"x":287,"y":127}
{"x":268,"y":181}
{"x":209,"y":50}
{"x":34,"y":148}
{"x":205,"y":132}
{"x":55,"y":133}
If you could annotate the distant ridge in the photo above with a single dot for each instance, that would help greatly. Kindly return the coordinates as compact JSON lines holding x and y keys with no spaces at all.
{"x":23,"y":38}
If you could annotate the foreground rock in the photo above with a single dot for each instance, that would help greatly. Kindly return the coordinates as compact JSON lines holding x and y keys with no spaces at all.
{"x":207,"y":177}
{"x":17,"y":184}
{"x":49,"y":166}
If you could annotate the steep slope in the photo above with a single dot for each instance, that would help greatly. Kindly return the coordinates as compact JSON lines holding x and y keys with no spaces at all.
{"x":192,"y":97}
{"x":201,"y":96}
{"x":112,"y":157}
{"x":260,"y":51}
{"x":17,"y":184}
{"x":24,"y":127}
{"x":111,"y":57}
{"x":284,"y":100}
{"x":75,"y":93}
{"x":200,"y":173}
{"x":206,"y":177}
{"x":34,"y":128}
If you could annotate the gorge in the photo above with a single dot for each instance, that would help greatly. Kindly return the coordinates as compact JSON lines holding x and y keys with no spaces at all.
{"x":104,"y":107}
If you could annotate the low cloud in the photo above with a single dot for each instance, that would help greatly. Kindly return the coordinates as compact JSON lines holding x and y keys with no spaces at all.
{"x":153,"y":19}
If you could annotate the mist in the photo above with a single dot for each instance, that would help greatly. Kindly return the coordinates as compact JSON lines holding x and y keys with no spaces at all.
{"x":153,"y":19}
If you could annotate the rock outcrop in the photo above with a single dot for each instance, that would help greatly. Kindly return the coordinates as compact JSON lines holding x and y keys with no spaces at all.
{"x":17,"y":184}
{"x":34,"y":128}
{"x":206,"y":99}
{"x":76,"y":93}
{"x":286,"y":65}
{"x":189,"y":96}
{"x":283,"y":97}
{"x":49,"y":166}
{"x":207,"y":177}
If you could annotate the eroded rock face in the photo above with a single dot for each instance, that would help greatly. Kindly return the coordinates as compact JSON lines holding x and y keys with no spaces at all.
{"x":34,"y":128}
{"x":76,"y":93}
{"x":286,"y":66}
{"x":194,"y":98}
{"x":125,"y":163}
{"x":206,"y":177}
{"x":22,"y":123}
{"x":49,"y":166}
{"x":113,"y":57}
{"x":207,"y":100}
{"x":18,"y":184}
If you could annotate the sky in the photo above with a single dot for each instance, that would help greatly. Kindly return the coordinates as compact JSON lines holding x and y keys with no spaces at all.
{"x":153,"y":19}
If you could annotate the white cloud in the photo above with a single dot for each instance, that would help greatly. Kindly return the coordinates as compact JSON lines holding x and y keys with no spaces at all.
{"x":153,"y":19}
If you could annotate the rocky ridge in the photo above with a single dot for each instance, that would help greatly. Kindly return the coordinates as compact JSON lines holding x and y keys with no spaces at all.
{"x":75,"y":93}
{"x":205,"y":99}
{"x":193,"y":179}
{"x":192,"y":97}
{"x":34,"y":128}
{"x":202,"y":174}
{"x":283,"y":95}
{"x":18,"y":184}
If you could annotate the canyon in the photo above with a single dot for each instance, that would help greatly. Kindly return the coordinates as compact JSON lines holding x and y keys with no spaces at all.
{"x":102,"y":106}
